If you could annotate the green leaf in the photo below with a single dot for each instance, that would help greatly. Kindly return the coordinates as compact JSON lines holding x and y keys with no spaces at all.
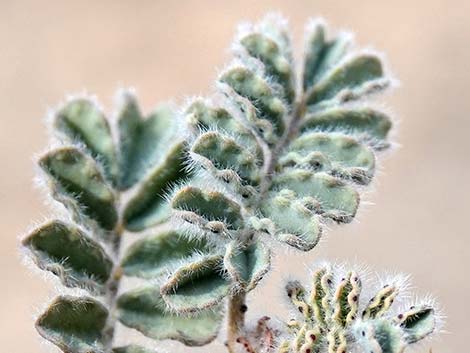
{"x":210,"y":205}
{"x":74,"y":324}
{"x":196,"y":286}
{"x":232,"y":134}
{"x":277,"y":66}
{"x":202,"y":117}
{"x":314,"y":50}
{"x":83,"y":122}
{"x":274,"y":26}
{"x":379,"y":336}
{"x":130,"y":123}
{"x":335,"y":199}
{"x":71,"y":255}
{"x":78,"y":183}
{"x":224,"y":152}
{"x":254,"y":88}
{"x":144,"y":142}
{"x":418,"y":322}
{"x":291,"y":220}
{"x":132,"y":349}
{"x":247,"y":266}
{"x":151,"y":256}
{"x":356,"y":121}
{"x":349,"y":76}
{"x":149,"y":206}
{"x":337,"y":154}
{"x":333,"y":52}
{"x":380,"y":304}
{"x":321,"y":55}
{"x":144,"y":310}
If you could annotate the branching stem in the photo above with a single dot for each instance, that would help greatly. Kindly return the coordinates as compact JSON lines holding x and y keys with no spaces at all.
{"x":236,"y":303}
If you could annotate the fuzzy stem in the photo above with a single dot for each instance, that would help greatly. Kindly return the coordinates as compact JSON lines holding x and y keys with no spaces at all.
{"x":236,"y":319}
{"x":236,"y":303}
{"x":112,"y":289}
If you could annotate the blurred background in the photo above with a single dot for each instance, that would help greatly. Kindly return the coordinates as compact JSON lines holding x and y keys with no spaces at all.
{"x":418,"y":222}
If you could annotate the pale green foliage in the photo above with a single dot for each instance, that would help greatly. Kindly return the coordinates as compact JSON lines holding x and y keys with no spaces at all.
{"x":334,"y":317}
{"x":273,"y":161}
{"x":88,"y":174}
{"x":74,"y":324}
{"x":150,"y":257}
{"x":277,"y":154}
{"x":144,"y":310}
{"x":69,"y":253}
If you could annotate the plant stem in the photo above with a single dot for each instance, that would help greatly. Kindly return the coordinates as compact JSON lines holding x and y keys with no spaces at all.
{"x":112,"y":289}
{"x":236,"y":319}
{"x":236,"y":303}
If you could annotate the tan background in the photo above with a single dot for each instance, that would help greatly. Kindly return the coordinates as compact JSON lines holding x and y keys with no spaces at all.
{"x":172,"y":49}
